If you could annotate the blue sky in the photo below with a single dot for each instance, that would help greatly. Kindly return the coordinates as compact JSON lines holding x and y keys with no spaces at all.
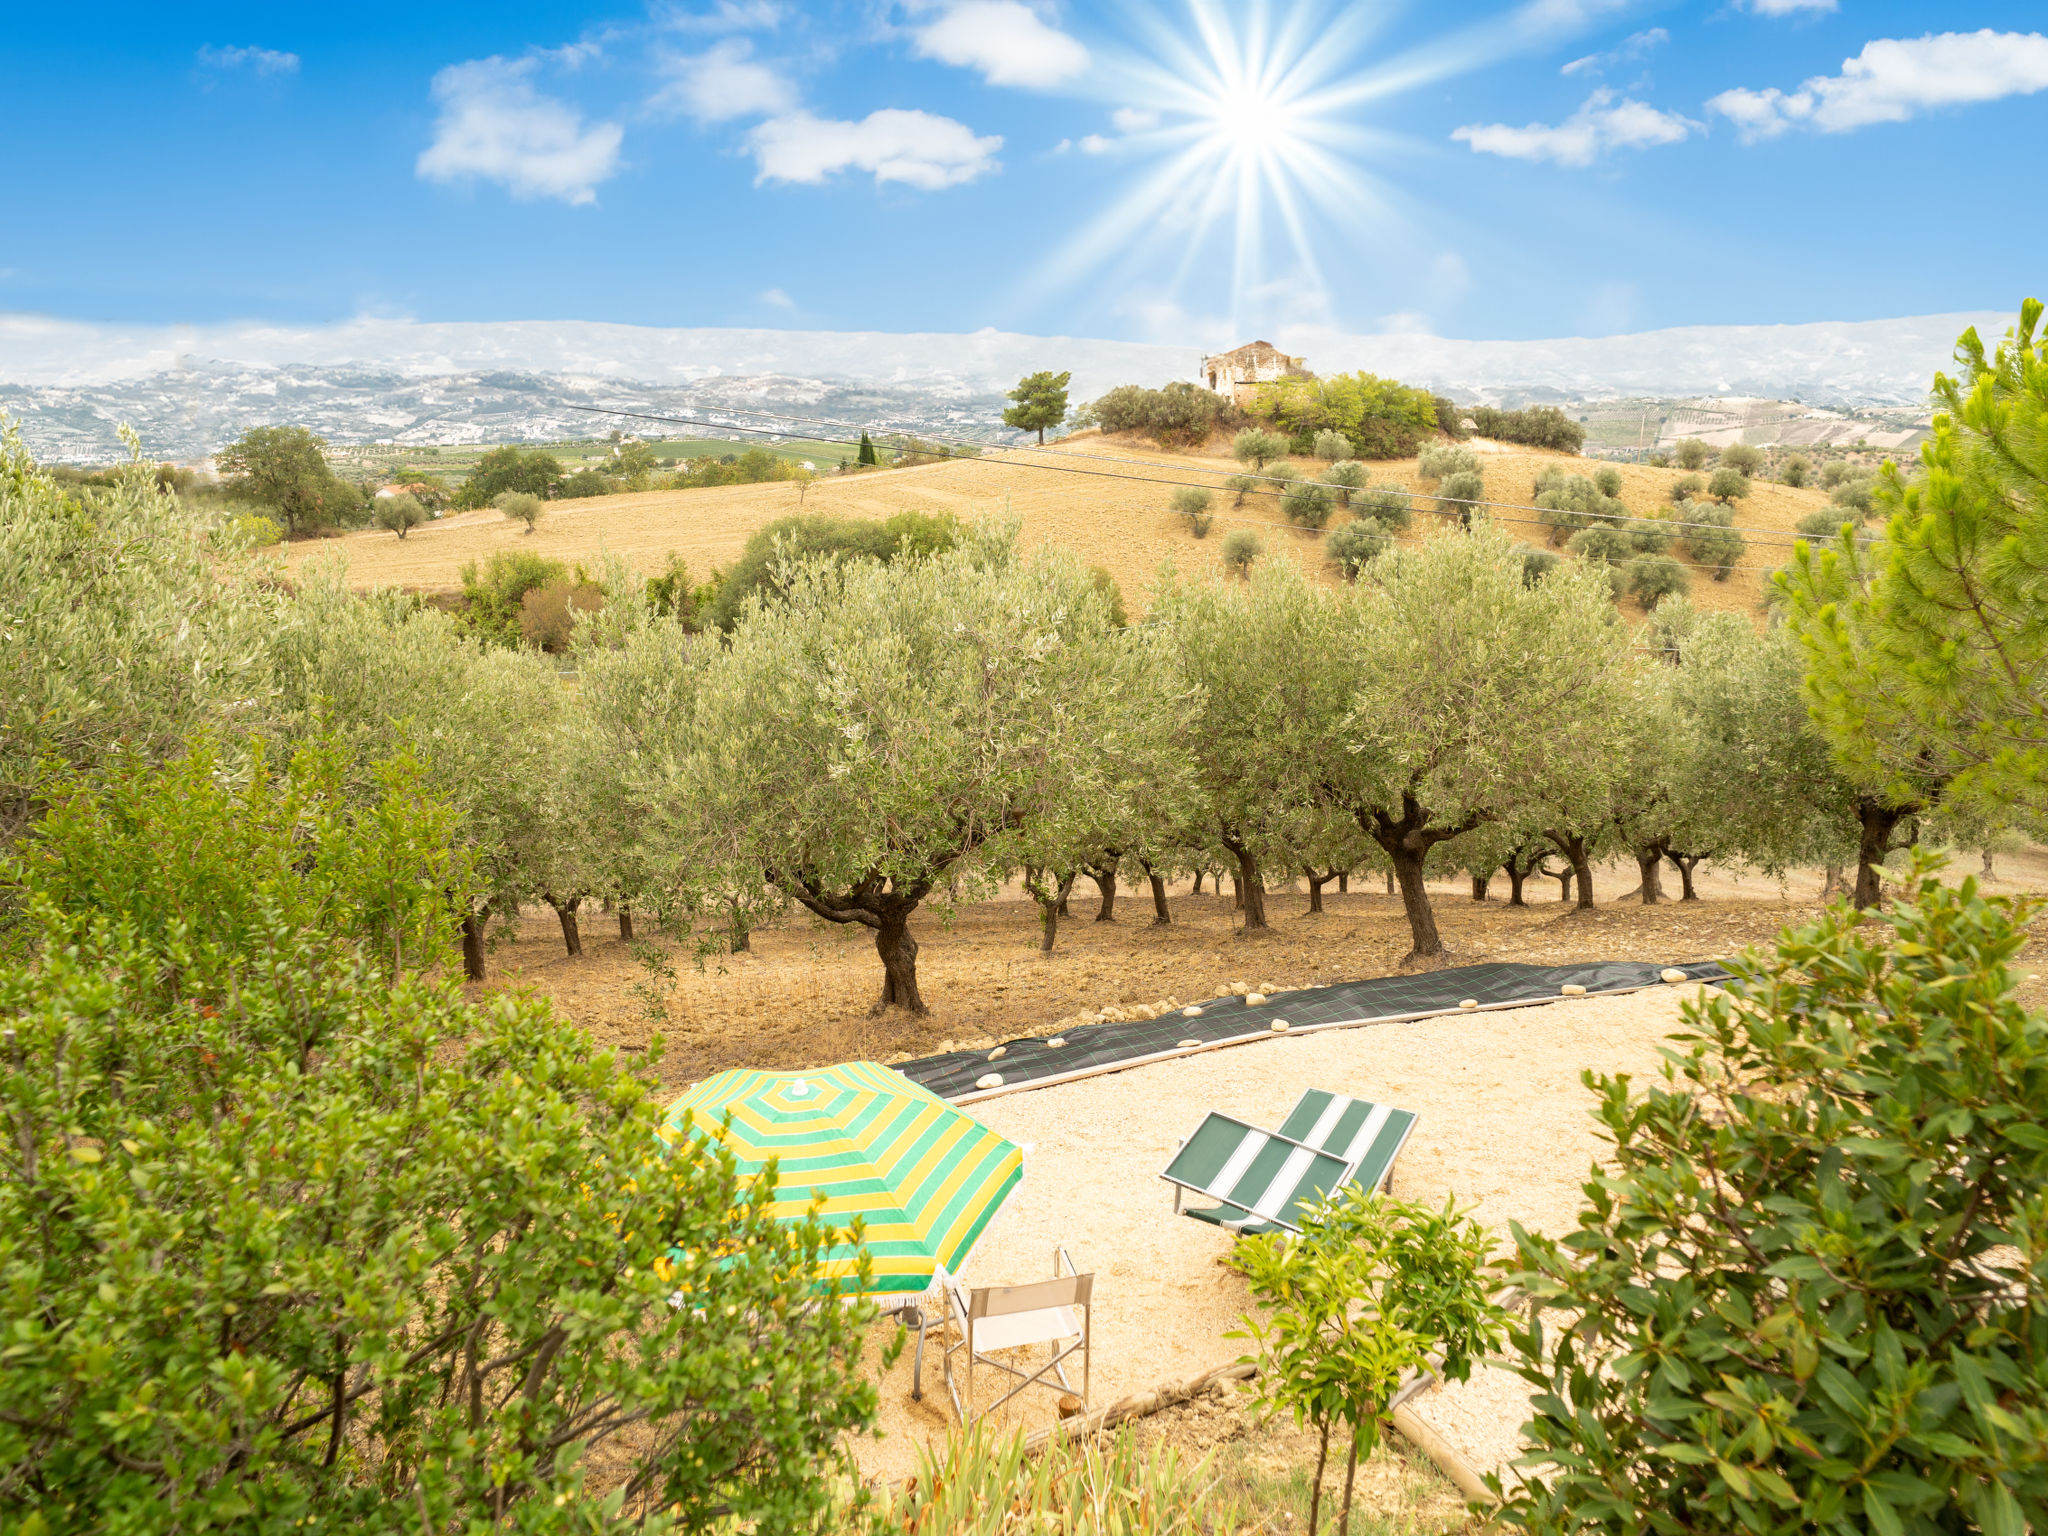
{"x":1150,"y":172}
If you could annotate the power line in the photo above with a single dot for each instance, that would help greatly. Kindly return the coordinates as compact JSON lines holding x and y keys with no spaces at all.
{"x":1276,"y":480}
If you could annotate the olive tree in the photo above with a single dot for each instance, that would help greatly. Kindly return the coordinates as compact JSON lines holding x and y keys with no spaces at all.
{"x":399,"y":514}
{"x":1743,"y":458}
{"x":1691,"y":453}
{"x":880,"y":730}
{"x":1250,"y":741}
{"x":1470,"y":696}
{"x":520,"y":507}
{"x":129,"y":625}
{"x":1258,"y":447}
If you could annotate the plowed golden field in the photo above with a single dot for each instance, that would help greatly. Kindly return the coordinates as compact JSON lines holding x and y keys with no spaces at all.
{"x":1104,"y":498}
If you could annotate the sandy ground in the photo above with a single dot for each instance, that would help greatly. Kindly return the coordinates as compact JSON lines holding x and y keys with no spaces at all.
{"x":1505,"y":1126}
{"x":1116,"y":515}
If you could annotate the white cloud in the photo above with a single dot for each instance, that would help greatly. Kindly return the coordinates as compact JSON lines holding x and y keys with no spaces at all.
{"x":895,"y":145}
{"x":722,"y":83}
{"x":1627,"y":52}
{"x":777,"y":299}
{"x":1603,"y":123}
{"x":1096,"y":144}
{"x":1894,"y":78}
{"x":1134,"y":119}
{"x":1006,"y":40}
{"x":264,"y":61}
{"x":494,"y":124}
{"x":1786,"y":7}
{"x":728,"y":16}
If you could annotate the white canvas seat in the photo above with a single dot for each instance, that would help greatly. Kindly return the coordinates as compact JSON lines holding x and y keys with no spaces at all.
{"x":1056,"y":1313}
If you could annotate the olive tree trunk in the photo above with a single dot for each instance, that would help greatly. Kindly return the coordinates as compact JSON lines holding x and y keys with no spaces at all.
{"x":1685,"y":863}
{"x":1251,"y":888}
{"x":883,"y":905}
{"x":1574,"y":848}
{"x":565,"y":913}
{"x":1875,"y":824}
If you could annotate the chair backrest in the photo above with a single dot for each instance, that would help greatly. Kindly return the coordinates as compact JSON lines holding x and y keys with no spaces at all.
{"x":1366,"y":1135}
{"x":1004,"y":1300}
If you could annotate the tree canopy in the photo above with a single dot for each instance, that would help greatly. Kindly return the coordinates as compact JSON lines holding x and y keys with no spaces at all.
{"x":1040,"y":402}
{"x":529,"y":471}
{"x":286,"y":469}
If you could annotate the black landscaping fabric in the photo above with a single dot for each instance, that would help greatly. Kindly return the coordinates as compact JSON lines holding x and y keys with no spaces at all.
{"x":1093,"y":1047}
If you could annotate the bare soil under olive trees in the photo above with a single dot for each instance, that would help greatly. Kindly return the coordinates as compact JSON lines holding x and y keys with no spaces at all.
{"x":802,"y":995}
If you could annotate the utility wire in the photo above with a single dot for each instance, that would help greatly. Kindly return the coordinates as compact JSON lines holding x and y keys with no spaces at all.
{"x":1770,"y":535}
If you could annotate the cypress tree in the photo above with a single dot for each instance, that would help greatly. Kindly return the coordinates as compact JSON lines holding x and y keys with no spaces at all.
{"x":867,"y":450}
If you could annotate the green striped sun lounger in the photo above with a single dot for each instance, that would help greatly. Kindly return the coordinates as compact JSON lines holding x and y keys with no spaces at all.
{"x":1264,"y":1179}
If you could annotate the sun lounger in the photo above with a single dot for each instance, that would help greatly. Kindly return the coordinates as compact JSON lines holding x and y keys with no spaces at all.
{"x":1264,"y":1179}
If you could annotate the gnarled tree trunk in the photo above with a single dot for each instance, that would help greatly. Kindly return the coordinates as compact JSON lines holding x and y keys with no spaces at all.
{"x":1875,"y":823}
{"x":473,"y":944}
{"x":884,"y":905}
{"x":1573,"y":847}
{"x":565,"y":913}
{"x":898,"y":951}
{"x":626,"y":924}
{"x":1649,"y":859}
{"x":1479,"y":885}
{"x":1685,"y":863}
{"x":1052,"y":901}
{"x":1161,"y":913}
{"x":1406,"y":841}
{"x":1343,"y":882}
{"x":1104,"y":876}
{"x":1316,"y":882}
{"x":1250,"y":886}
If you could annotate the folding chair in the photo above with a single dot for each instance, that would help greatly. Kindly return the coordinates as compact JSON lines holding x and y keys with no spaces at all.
{"x":1055,"y":1313}
{"x":1263,"y":1179}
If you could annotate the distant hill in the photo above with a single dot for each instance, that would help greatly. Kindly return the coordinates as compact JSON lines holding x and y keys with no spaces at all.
{"x":188,"y":389}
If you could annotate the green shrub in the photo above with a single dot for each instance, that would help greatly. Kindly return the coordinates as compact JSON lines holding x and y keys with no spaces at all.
{"x":1540,"y":426}
{"x":1712,"y":540}
{"x":1180,"y":415}
{"x":1191,"y":503}
{"x":821,"y":537}
{"x":1688,"y":488}
{"x":1652,"y":578}
{"x":520,"y":507}
{"x":1307,"y":503}
{"x":1343,"y":478}
{"x":493,"y":598}
{"x":1567,"y":502}
{"x":1822,"y":525}
{"x":1450,"y":418}
{"x":1388,"y":505}
{"x":1330,"y":446}
{"x":1352,"y":546}
{"x":1607,"y":480}
{"x":400,"y":514}
{"x":1440,"y":459}
{"x":534,"y":471}
{"x":1658,"y":461}
{"x":1744,"y":459}
{"x":1804,"y":1293}
{"x":1835,"y":471}
{"x":1856,"y":496}
{"x":1460,"y":492}
{"x":252,"y":530}
{"x":1258,"y":447}
{"x":586,"y":482}
{"x":1603,"y":542}
{"x":1536,"y":564}
{"x":1691,"y":453}
{"x":1648,"y":535}
{"x":1727,"y":485}
{"x":1240,"y":550}
{"x":1240,"y":486}
{"x":1796,"y":471}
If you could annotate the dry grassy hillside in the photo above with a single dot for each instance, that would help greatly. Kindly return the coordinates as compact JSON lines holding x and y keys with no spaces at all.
{"x":1104,"y":498}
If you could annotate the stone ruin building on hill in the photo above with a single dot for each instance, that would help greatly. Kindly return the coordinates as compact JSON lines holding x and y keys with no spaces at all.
{"x":1236,"y":374}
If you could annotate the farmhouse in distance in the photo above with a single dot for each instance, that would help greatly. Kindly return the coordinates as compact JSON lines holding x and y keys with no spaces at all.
{"x":1239,"y":373}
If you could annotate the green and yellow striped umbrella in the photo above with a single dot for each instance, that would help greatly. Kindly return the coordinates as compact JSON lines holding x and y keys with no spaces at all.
{"x":924,"y":1177}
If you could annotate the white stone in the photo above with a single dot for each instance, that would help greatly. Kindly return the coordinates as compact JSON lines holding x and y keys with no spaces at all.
{"x":1189,"y":1045}
{"x":1468,"y":1002}
{"x":1673,"y":975}
{"x":1571,"y":989}
{"x":1279,"y":1026}
{"x":1191,"y":1012}
{"x":989,"y":1080}
{"x":997,"y":1053}
{"x":1255,"y":999}
{"x":1055,"y":1042}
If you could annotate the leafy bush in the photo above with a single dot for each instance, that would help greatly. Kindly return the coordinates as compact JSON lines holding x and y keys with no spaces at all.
{"x":252,"y":530}
{"x":1658,"y":461}
{"x":1240,"y":550}
{"x":1382,"y":418}
{"x":1180,"y":415}
{"x":1602,"y":542}
{"x":1536,"y":564}
{"x":1796,"y":471}
{"x":290,"y":1245}
{"x":536,"y":472}
{"x":1713,"y":539}
{"x":1726,"y":485}
{"x":1344,"y":478}
{"x":1607,"y":480}
{"x":1369,"y":1290}
{"x":1649,"y":535}
{"x":1805,"y":1290}
{"x":493,"y":598}
{"x":547,"y":615}
{"x":1652,"y":578}
{"x":1540,"y":426}
{"x":1822,"y":525}
{"x":1388,"y":505}
{"x":1307,"y":503}
{"x":1440,"y":459}
{"x":820,"y":536}
{"x":586,"y":482}
{"x":1450,"y":418}
{"x":1459,"y":492}
{"x":400,"y":514}
{"x":1240,"y":486}
{"x":1688,"y":488}
{"x":1258,"y":447}
{"x":1744,"y":459}
{"x":1691,"y":453}
{"x":520,"y":507}
{"x":1567,"y":502}
{"x":1856,"y":496}
{"x":1331,"y":446}
{"x":1192,"y":503}
{"x":1351,"y":546}
{"x":754,"y":466}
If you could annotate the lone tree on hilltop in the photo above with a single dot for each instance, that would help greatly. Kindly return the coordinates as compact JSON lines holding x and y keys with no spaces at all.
{"x":285,"y":468}
{"x":520,"y":507}
{"x":1041,"y":402}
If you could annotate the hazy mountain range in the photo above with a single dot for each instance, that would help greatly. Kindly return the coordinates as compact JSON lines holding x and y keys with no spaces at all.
{"x":188,"y":389}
